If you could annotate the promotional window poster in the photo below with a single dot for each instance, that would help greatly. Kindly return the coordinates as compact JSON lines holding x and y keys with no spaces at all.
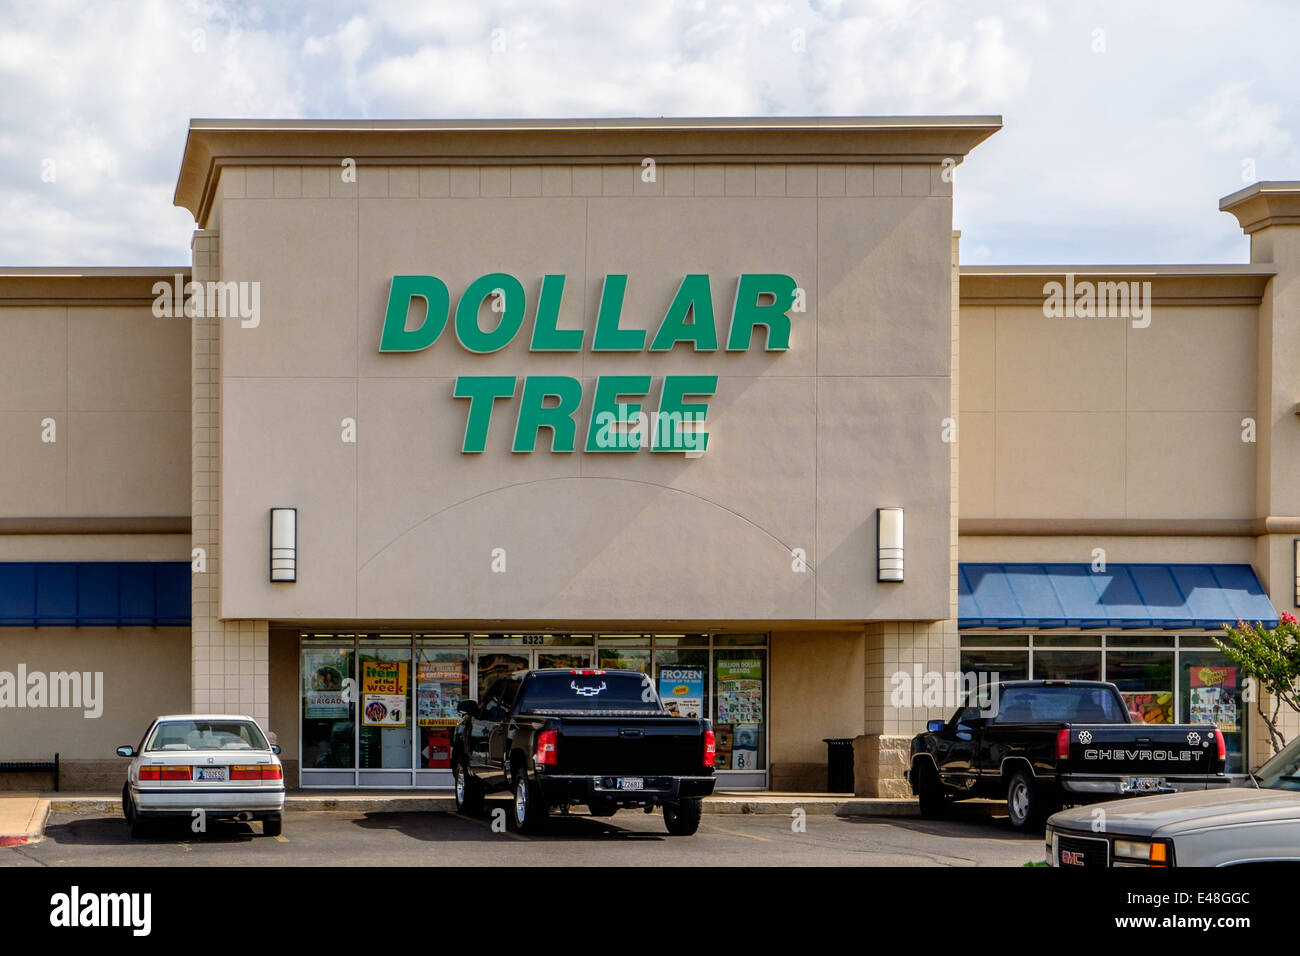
{"x":324,"y":673}
{"x":1214,"y":697}
{"x":439,"y":687}
{"x":383,"y":694}
{"x":682,"y":691}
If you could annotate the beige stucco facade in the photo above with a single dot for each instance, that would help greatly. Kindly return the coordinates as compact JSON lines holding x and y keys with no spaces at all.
{"x":910,"y":381}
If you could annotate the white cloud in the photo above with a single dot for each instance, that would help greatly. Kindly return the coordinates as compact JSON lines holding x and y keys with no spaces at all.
{"x":1114,"y":156}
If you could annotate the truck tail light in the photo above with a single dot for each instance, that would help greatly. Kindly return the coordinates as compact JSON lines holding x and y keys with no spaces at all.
{"x":710,"y":749}
{"x":1221,"y":744}
{"x":166,"y":773}
{"x":261,"y":771}
{"x":546,"y":747}
{"x":1063,"y":744}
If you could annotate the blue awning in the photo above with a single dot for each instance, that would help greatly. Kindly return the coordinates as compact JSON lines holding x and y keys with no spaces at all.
{"x":1166,"y":596}
{"x":95,"y":594}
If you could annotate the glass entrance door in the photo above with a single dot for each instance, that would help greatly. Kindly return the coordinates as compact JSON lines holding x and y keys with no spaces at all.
{"x":578,"y":657}
{"x":492,"y":665}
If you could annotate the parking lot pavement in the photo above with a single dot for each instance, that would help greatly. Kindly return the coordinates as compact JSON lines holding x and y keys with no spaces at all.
{"x":333,"y":838}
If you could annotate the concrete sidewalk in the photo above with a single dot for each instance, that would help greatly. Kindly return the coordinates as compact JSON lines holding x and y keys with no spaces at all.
{"x":23,"y":814}
{"x":22,"y":817}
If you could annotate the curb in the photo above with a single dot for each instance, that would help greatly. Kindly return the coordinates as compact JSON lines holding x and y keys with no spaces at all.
{"x":35,"y":826}
{"x":783,"y":806}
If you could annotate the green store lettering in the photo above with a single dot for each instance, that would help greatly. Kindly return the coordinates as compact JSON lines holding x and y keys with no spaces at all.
{"x":617,"y":422}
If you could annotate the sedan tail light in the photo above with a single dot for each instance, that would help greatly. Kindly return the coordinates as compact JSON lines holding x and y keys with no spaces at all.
{"x":1063,"y":744}
{"x":261,"y":771}
{"x":710,"y":749}
{"x":154,"y":772}
{"x":546,"y":748}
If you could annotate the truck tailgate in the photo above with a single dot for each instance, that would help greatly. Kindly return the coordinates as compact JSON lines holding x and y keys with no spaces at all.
{"x":672,"y":746}
{"x":1144,"y":749}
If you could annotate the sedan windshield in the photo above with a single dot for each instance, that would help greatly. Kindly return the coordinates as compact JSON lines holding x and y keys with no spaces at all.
{"x":1283,"y":771}
{"x":206,"y":735}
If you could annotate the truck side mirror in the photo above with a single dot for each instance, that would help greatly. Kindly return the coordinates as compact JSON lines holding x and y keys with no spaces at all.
{"x":935,"y":726}
{"x":467,"y":707}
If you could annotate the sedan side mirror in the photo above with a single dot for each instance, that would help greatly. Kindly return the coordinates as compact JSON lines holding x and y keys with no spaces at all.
{"x":935,"y":726}
{"x":467,"y":707}
{"x":275,"y":748}
{"x":126,"y":751}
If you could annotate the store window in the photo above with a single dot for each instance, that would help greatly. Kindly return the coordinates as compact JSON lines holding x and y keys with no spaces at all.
{"x":1209,"y":689}
{"x":681,"y":676}
{"x":1146,"y":682}
{"x":740,"y":721}
{"x":385,"y":738}
{"x":994,"y":665}
{"x":441,"y":683}
{"x":624,"y":652}
{"x":328,"y":710}
{"x":1067,"y":665}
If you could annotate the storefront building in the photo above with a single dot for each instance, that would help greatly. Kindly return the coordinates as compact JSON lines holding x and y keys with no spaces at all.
{"x":708,"y":399}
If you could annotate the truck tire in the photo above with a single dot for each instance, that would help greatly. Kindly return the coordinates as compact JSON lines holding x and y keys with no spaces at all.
{"x":929,"y":792}
{"x":529,"y":810}
{"x":1025,"y":802}
{"x":683,"y":817}
{"x":272,"y":826}
{"x":469,"y":792}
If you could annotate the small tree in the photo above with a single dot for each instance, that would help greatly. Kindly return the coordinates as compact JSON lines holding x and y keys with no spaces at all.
{"x":1271,"y":659}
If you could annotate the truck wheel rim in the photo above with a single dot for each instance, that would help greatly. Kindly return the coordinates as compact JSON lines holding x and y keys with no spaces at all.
{"x":521,"y":800}
{"x":1019,"y":801}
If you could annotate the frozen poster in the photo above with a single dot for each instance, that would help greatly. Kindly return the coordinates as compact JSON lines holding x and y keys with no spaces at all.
{"x":682,"y":691}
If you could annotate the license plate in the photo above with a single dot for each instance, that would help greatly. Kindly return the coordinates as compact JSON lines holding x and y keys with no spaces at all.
{"x":210,"y":773}
{"x":1143,"y":784}
{"x":630,"y":783}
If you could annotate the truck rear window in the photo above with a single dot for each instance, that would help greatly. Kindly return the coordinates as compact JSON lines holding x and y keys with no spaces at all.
{"x":1080,"y":705}
{"x":589,"y":692}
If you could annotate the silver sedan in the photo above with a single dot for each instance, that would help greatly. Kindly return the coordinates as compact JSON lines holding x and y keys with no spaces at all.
{"x":201,"y":767}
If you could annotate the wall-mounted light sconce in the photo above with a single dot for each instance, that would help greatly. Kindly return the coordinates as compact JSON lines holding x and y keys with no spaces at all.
{"x":284,"y":544}
{"x":889,"y":544}
{"x":1295,"y":564}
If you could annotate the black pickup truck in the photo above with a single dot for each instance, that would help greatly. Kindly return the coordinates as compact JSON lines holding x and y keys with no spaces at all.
{"x":599,"y":738}
{"x":1046,"y":744}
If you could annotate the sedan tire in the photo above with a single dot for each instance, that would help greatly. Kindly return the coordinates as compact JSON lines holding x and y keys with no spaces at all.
{"x":272,"y":826}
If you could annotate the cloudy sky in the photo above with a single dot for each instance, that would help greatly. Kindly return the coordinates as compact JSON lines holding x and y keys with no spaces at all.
{"x":1125,"y":122}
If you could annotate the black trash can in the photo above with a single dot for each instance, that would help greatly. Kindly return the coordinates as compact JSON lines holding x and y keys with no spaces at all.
{"x":839,"y":764}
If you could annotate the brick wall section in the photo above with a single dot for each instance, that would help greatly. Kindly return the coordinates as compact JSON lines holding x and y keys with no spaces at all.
{"x":229,"y":658}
